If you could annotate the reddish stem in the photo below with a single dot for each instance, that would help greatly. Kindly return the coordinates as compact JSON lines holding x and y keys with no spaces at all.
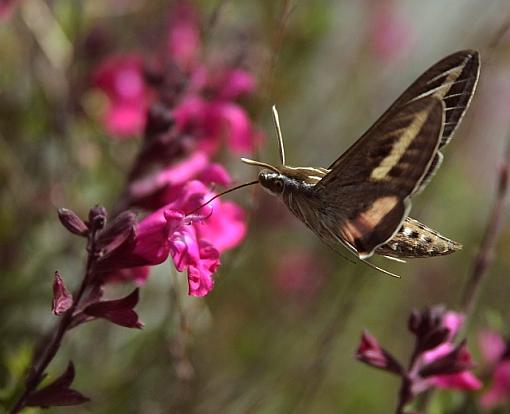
{"x":485,"y":254}
{"x":49,"y":350}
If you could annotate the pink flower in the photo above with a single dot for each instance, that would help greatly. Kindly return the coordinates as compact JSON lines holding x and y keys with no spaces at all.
{"x":165,"y":186}
{"x":7,"y":9}
{"x":435,"y":361}
{"x":193,"y":237}
{"x":299,"y":274}
{"x":496,"y":354}
{"x":183,"y":42}
{"x":232,"y":84}
{"x":389,"y":33}
{"x":210,"y":121}
{"x":148,"y":247}
{"x":492,"y":346}
{"x":499,"y":392}
{"x":198,"y":239}
{"x":446,"y":365}
{"x":121,"y":79}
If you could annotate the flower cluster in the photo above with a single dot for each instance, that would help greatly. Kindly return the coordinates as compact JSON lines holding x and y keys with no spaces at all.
{"x":202,"y":97}
{"x":436,"y":362}
{"x":186,"y":108}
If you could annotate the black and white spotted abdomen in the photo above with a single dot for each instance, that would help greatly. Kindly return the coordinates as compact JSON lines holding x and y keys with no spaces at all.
{"x":415,"y":240}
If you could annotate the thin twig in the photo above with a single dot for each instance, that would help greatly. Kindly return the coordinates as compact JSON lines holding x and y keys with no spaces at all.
{"x":316,"y":369}
{"x":485,"y":255}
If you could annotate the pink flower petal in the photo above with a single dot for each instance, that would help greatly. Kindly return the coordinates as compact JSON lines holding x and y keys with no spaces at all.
{"x":499,"y":392}
{"x":121,"y":79}
{"x":215,"y":174}
{"x":492,"y":346}
{"x":238,"y":126}
{"x":225,"y":228}
{"x":123,"y":120}
{"x":464,"y":380}
{"x":62,"y":298}
{"x":235,"y":83}
{"x":453,"y":321}
{"x":183,"y":41}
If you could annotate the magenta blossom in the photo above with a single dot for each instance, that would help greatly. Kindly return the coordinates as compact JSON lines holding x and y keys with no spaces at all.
{"x":496,"y":353}
{"x":457,"y":357}
{"x":389,"y":33}
{"x":300,"y":275}
{"x":199,"y":238}
{"x":192,"y":236}
{"x":7,"y":9}
{"x":183,"y":42}
{"x":165,"y":186}
{"x":436,"y":361}
{"x":121,"y":79}
{"x":219,"y":116}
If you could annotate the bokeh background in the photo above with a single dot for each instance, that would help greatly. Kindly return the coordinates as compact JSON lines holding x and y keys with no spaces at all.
{"x":280,"y":329}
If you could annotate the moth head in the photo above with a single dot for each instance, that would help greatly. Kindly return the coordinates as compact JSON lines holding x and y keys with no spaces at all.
{"x":271,"y":181}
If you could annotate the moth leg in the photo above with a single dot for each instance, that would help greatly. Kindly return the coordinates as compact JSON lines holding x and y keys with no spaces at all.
{"x":396,"y":259}
{"x":353,"y":251}
{"x":386,"y":272}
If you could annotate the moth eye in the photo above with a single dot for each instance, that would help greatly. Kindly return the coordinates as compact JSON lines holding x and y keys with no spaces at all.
{"x":278,"y":185}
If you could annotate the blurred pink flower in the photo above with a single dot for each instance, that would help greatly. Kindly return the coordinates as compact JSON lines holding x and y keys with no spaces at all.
{"x":496,"y":353}
{"x":210,"y":121}
{"x":436,"y":362}
{"x":7,"y":9}
{"x":389,"y":34}
{"x":499,"y":392}
{"x":121,"y":80}
{"x":183,"y":41}
{"x":299,"y":274}
{"x":232,"y":84}
{"x":492,"y":346}
{"x":446,"y":365}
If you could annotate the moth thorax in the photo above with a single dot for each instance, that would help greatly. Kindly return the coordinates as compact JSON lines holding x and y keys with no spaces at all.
{"x":272,"y":182}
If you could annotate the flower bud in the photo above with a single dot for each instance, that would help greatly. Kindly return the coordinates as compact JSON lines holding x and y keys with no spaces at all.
{"x":97,"y":217}
{"x":62,"y":298}
{"x":370,"y":352}
{"x":72,"y":222}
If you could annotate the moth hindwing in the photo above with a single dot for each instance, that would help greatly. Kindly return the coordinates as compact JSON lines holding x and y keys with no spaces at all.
{"x":363,"y":199}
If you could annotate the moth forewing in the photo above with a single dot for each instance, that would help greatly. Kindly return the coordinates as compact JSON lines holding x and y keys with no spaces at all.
{"x":370,"y":188}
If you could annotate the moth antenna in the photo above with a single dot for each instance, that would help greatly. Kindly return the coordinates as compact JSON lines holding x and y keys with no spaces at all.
{"x":237,"y":187}
{"x":260,"y":164}
{"x":281,"y":148}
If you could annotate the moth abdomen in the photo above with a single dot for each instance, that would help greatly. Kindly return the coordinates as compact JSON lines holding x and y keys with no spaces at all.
{"x":414,"y":239}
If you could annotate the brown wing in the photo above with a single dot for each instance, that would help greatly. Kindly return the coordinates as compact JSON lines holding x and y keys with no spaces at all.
{"x":366,"y":194}
{"x":453,"y":81}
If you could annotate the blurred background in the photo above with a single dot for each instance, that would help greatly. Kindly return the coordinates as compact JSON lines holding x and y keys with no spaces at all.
{"x":280,"y":329}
